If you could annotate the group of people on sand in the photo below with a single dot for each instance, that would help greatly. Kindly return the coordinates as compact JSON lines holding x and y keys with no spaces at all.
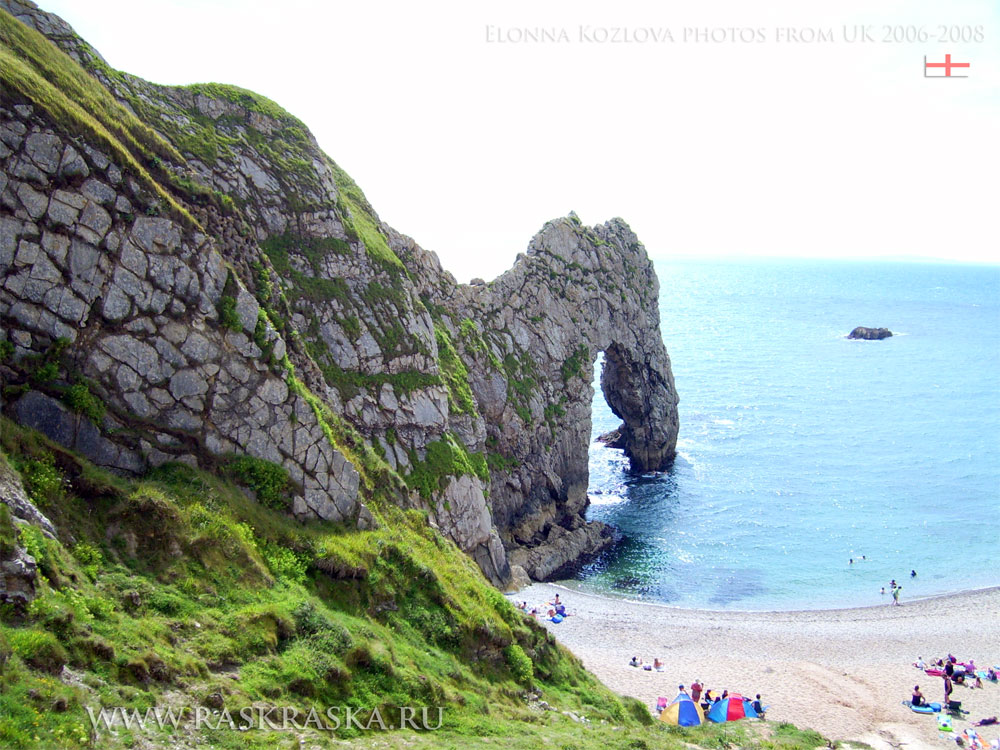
{"x":953,"y":673}
{"x":704,"y":697}
{"x":556,"y":612}
{"x":656,"y":664}
{"x":699,"y":694}
{"x":895,"y":588}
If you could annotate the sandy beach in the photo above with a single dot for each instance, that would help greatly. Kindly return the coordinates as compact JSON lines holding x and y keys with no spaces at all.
{"x":840,"y":672}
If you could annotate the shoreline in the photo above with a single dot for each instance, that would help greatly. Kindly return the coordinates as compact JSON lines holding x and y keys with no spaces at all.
{"x":842,"y":672}
{"x":613,"y":598}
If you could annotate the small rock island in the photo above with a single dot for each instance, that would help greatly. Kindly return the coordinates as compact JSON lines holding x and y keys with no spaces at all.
{"x":870,"y":334}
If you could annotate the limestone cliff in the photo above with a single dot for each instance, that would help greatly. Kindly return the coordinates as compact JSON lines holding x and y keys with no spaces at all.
{"x":185,"y":276}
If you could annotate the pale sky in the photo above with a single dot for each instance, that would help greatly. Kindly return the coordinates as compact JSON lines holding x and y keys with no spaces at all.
{"x":728,"y":140}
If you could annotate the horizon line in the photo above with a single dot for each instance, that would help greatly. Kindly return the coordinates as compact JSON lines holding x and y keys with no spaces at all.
{"x":914,"y":259}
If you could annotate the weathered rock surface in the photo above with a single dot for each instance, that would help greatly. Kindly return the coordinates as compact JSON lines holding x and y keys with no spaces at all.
{"x":613,"y":439}
{"x":75,"y":431}
{"x":18,"y":573}
{"x":281,"y":318}
{"x":18,"y":570}
{"x":21,"y":508}
{"x":869,"y":334}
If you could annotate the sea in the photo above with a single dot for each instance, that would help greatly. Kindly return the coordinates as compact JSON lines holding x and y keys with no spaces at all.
{"x":801,"y":450}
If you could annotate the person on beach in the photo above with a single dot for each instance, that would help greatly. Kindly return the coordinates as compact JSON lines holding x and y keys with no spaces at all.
{"x":707,"y":700}
{"x":757,"y":705}
{"x":917,"y":699}
{"x":680,"y":689}
{"x":895,"y":595}
{"x":892,"y":584}
{"x":947,"y":690}
{"x":696,"y":690}
{"x":657,"y":664}
{"x":913,"y":574}
{"x":882,"y":591}
{"x":919,"y":663}
{"x":636,"y":662}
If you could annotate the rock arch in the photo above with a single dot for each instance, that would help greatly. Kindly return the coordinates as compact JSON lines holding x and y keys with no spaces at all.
{"x":578,"y":291}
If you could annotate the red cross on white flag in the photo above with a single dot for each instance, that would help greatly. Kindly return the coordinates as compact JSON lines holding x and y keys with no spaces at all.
{"x":944,"y":69}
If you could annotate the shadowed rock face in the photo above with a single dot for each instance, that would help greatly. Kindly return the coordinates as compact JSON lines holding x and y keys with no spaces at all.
{"x":271,"y":312}
{"x":870,"y":334}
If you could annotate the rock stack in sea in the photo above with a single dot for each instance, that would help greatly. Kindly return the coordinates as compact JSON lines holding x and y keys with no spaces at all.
{"x":869,"y":334}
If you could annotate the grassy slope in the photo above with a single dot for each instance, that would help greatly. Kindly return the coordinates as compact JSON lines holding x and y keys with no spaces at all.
{"x":175,"y":581}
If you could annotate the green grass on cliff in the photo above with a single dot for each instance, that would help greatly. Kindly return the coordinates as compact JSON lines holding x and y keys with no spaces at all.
{"x":38,"y":70}
{"x":444,"y":459}
{"x":249,"y":100}
{"x":159,"y":590}
{"x":454,"y":373}
{"x":359,"y":216}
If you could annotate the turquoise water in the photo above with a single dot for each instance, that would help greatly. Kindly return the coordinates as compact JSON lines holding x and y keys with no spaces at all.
{"x":800,"y":449}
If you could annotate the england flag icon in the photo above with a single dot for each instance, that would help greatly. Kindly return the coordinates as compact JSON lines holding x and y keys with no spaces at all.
{"x":945,"y":69}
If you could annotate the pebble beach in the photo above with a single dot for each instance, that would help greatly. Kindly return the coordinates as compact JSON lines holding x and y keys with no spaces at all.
{"x":841,"y":672}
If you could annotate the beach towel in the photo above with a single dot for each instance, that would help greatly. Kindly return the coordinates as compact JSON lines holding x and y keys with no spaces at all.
{"x":972,"y":739}
{"x":944,"y":723}
{"x":556,"y":619}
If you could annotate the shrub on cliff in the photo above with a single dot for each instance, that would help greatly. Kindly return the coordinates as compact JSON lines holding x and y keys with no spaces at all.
{"x":268,"y":480}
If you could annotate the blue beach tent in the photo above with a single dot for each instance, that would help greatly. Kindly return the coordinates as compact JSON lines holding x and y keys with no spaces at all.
{"x":683,"y":712}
